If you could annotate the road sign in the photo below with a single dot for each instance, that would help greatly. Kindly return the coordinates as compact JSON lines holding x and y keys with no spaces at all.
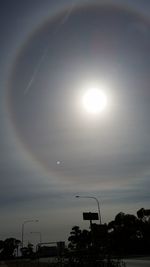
{"x":90,"y":216}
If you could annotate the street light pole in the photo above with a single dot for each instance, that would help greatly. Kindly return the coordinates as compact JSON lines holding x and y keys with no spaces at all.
{"x":98,"y":205}
{"x":28,"y":221}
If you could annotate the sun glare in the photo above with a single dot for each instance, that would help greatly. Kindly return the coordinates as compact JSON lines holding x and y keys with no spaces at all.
{"x":94,"y":101}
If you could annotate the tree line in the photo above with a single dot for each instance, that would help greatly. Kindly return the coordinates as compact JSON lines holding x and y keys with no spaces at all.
{"x":126,"y":235}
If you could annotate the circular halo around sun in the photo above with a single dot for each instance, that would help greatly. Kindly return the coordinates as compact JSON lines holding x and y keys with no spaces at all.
{"x":94,"y":101}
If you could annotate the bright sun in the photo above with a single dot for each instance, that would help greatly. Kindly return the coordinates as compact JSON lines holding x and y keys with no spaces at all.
{"x":94,"y":101}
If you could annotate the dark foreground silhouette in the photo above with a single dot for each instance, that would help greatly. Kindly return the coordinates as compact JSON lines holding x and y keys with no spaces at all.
{"x":125,"y":235}
{"x":100,"y":245}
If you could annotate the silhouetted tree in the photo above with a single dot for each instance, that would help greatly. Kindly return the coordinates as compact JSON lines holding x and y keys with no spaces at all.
{"x":8,"y":247}
{"x":144,"y":225}
{"x":129,"y":234}
{"x":79,"y":239}
{"x":125,"y":235}
{"x":144,"y":214}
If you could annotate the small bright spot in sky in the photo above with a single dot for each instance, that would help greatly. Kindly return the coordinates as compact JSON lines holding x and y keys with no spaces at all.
{"x":58,"y":162}
{"x":94,"y":100}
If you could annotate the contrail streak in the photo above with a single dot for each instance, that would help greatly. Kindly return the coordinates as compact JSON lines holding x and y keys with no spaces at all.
{"x":66,"y":16}
{"x":36,"y":70}
{"x":41,"y":60}
{"x":68,"y":13}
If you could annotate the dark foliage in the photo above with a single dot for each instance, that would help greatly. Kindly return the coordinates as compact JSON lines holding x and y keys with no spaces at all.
{"x":8,"y":248}
{"x":125,"y":235}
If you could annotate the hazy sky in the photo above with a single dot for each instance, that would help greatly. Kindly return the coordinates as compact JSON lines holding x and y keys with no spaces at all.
{"x":51,"y":148}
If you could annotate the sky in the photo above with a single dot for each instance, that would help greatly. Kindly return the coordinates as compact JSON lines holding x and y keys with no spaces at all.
{"x":52,"y":149}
